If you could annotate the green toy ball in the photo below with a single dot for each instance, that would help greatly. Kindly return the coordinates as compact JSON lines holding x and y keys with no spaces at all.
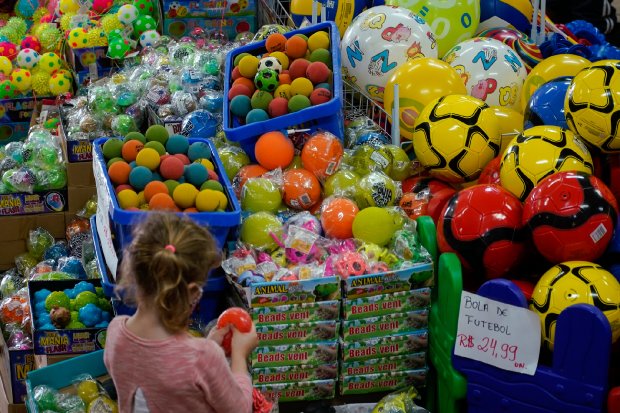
{"x":377,"y":189}
{"x":123,"y":124}
{"x":135,"y":136}
{"x":260,"y":194}
{"x":85,"y":297}
{"x":369,"y":158}
{"x":144,"y":23}
{"x":342,"y":183}
{"x":145,"y":7}
{"x":157,"y":133}
{"x":45,"y":397}
{"x":113,"y":148}
{"x":401,"y":164}
{"x":75,"y":325}
{"x":374,"y":225}
{"x":256,"y":230}
{"x":233,"y":158}
{"x":8,"y":90}
{"x":267,"y":80}
{"x":57,"y":299}
{"x":118,"y":48}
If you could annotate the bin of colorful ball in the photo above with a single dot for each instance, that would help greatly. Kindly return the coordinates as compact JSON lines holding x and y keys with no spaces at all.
{"x":156,"y":171}
{"x":78,"y":306}
{"x":89,"y":396}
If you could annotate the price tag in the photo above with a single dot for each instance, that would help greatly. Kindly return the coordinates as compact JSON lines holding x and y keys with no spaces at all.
{"x":502,"y":335}
{"x":103,"y":223}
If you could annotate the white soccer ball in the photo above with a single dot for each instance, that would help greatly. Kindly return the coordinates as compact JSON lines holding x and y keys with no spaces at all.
{"x":28,"y":58}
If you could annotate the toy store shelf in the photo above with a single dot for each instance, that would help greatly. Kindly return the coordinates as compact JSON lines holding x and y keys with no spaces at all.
{"x":273,"y":12}
{"x":356,"y":103}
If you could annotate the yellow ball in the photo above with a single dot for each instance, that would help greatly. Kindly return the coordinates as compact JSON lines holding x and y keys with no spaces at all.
{"x":128,"y":199}
{"x":41,"y":83}
{"x":110,"y":22}
{"x":301,"y":86}
{"x":49,"y":62}
{"x":5,"y":65}
{"x":209,"y":200}
{"x":283,"y":91}
{"x":59,"y":83}
{"x":282,"y":58}
{"x":206,"y":163}
{"x":148,"y":157}
{"x":185,"y":195}
{"x":65,"y":21}
{"x":97,"y":37}
{"x":248,"y":66}
{"x":78,"y":38}
{"x":319,"y":40}
{"x":68,"y":6}
{"x":21,"y":79}
{"x":141,"y":198}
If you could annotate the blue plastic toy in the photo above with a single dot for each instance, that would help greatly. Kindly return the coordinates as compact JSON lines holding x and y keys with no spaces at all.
{"x":90,"y":315}
{"x":84,"y":286}
{"x":41,"y":295}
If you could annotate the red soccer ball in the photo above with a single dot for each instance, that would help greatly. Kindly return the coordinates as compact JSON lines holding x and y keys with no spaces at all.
{"x":239,"y":318}
{"x":572,"y":216}
{"x":490,"y":173}
{"x":482,"y":225}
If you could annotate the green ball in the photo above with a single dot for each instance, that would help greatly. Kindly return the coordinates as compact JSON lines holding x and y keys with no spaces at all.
{"x":342,"y":183}
{"x":377,"y":189}
{"x":261,"y":100}
{"x":212,"y":184}
{"x":145,"y":7}
{"x":85,"y":297}
{"x":45,"y":398}
{"x":75,"y":316}
{"x":118,"y":48}
{"x":401,"y":164}
{"x":104,"y":304}
{"x":239,"y":57}
{"x":303,"y":36}
{"x":374,"y":225}
{"x":99,"y":292}
{"x":321,"y":55}
{"x":75,"y":325}
{"x":157,"y":133}
{"x":260,"y":194}
{"x":113,"y":148}
{"x":368,"y":158}
{"x":297,"y":103}
{"x":137,"y":136}
{"x":256,"y":230}
{"x":111,"y":161}
{"x":171,"y":184}
{"x":57,"y":299}
{"x":144,"y":23}
{"x":233,"y":158}
{"x":157,"y":146}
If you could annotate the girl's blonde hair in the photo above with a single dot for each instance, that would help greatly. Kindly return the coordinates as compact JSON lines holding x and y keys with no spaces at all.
{"x":167,"y":253}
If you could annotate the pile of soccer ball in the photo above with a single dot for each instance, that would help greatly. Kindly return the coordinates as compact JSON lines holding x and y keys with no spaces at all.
{"x":292,"y":75}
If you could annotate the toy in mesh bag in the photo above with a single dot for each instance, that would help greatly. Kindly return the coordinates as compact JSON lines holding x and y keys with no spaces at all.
{"x":401,"y":401}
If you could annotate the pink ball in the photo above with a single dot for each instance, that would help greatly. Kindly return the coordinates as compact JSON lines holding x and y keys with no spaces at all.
{"x":102,"y":6}
{"x":239,"y":89}
{"x":320,"y":95}
{"x":171,"y":168}
{"x":31,"y":42}
{"x":122,"y":187}
{"x":183,"y":158}
{"x":298,"y":68}
{"x":213,"y":175}
{"x":317,"y":72}
{"x":8,"y":49}
{"x":278,"y":107}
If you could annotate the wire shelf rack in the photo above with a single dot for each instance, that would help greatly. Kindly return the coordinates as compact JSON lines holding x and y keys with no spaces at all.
{"x":274,"y":12}
{"x":357,"y":103}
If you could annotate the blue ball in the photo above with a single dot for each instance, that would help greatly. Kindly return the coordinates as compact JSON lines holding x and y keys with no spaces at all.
{"x":199,"y":150}
{"x":42,"y":319}
{"x":73,"y":266}
{"x":324,"y":85}
{"x":133,"y":164}
{"x":103,"y":324}
{"x":90,"y":315}
{"x":56,"y":251}
{"x":240,"y":105}
{"x":177,"y":144}
{"x":47,"y":327}
{"x":84,"y":286}
{"x":139,"y":177}
{"x":39,"y":307}
{"x":212,"y":101}
{"x":105,"y":316}
{"x":196,"y":174}
{"x":71,"y":293}
{"x":41,"y":295}
{"x":546,"y":106}
{"x":199,"y":124}
{"x":157,"y":177}
{"x":256,"y":115}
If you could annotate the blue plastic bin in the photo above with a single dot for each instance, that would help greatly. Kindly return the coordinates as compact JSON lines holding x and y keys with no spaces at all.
{"x":327,"y":116}
{"x":220,"y":223}
{"x":212,"y":297}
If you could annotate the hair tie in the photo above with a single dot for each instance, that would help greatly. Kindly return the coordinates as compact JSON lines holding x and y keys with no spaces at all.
{"x":170,"y":248}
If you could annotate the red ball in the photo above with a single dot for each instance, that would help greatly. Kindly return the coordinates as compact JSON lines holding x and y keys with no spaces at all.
{"x":183,"y":158}
{"x":490,"y":173}
{"x":301,"y":189}
{"x":239,"y":89}
{"x":237,"y":317}
{"x":122,"y":187}
{"x":317,"y":72}
{"x":213,"y":175}
{"x":425,"y":196}
{"x":298,"y":68}
{"x":482,"y":225}
{"x":278,"y":107}
{"x":320,"y":95}
{"x":171,"y":168}
{"x":236,"y":74}
{"x":572,"y":216}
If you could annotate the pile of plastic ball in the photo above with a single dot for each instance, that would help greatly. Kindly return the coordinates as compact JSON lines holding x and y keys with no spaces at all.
{"x":156,"y":171}
{"x":86,"y":395}
{"x":294,"y":74}
{"x":83,"y":306}
{"x":28,"y":72}
{"x":33,"y":165}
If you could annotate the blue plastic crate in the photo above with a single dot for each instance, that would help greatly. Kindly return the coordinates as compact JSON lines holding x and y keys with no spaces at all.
{"x":212,"y":297}
{"x":220,"y":223}
{"x":327,"y":116}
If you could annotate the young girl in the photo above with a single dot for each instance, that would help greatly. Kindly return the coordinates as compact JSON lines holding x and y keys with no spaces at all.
{"x":156,"y":365}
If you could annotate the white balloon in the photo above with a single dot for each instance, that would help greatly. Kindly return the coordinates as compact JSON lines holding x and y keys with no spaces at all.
{"x":378,"y":41}
{"x":491,"y":70}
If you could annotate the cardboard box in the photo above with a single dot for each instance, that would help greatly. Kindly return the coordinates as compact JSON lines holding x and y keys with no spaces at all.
{"x":373,"y":383}
{"x":207,"y":8}
{"x":80,"y":174}
{"x":397,"y":323}
{"x":15,"y":365}
{"x":292,"y":374}
{"x":230,"y":26}
{"x":52,"y":200}
{"x":418,"y":276}
{"x":41,"y":360}
{"x":297,"y":313}
{"x":385,"y":304}
{"x":274,"y":334}
{"x":63,"y":341}
{"x":386,"y":364}
{"x":398,"y":345}
{"x":78,"y":197}
{"x":300,"y":391}
{"x":311,"y":354}
{"x":15,"y":117}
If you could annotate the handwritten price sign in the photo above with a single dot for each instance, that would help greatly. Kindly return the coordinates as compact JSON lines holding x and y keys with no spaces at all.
{"x":498,"y":334}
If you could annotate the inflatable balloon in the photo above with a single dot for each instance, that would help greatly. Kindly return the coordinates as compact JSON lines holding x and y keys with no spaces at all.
{"x":451,"y":21}
{"x":419,"y":82}
{"x":527,"y":50}
{"x":491,"y":70}
{"x":378,"y":41}
{"x":506,"y":13}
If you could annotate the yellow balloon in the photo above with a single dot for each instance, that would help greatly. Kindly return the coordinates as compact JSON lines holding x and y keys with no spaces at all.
{"x":510,"y":124}
{"x":420,"y":81}
{"x":549,"y":69}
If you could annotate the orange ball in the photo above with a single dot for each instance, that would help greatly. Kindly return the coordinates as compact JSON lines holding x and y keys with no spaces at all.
{"x":322,"y":154}
{"x":190,"y":210}
{"x":130,"y":150}
{"x":246,"y":82}
{"x":296,"y":47}
{"x":274,"y":150}
{"x":236,"y":74}
{"x":119,"y":172}
{"x":154,"y":187}
{"x":284,"y":79}
{"x":245,"y":173}
{"x":276,"y":42}
{"x":301,"y":189}
{"x":162,"y":202}
{"x":414,"y":205}
{"x":337,"y":216}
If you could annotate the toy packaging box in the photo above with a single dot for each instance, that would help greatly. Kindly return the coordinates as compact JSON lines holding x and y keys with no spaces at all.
{"x":383,"y":365}
{"x":297,"y":332}
{"x":388,"y":346}
{"x":385,"y":304}
{"x":15,"y":366}
{"x":372,"y":383}
{"x":420,"y":275}
{"x":300,"y":391}
{"x":297,"y":313}
{"x":293,"y":374}
{"x":397,"y":323}
{"x":173,"y":9}
{"x":310,"y":354}
{"x":231,"y":26}
{"x":54,"y":200}
{"x":15,"y":117}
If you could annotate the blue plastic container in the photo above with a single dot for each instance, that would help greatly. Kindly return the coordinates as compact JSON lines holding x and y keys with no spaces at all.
{"x":220,"y":223}
{"x":212,"y":297}
{"x":327,"y":116}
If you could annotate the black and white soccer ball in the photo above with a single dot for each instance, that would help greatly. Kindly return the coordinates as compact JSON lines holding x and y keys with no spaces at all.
{"x":270,"y":63}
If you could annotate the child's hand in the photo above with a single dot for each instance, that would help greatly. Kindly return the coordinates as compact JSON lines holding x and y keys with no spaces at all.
{"x":217,"y":334}
{"x":243,"y":343}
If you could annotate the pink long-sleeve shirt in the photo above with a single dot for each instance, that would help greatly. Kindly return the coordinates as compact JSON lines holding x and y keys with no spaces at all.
{"x":177,"y":374}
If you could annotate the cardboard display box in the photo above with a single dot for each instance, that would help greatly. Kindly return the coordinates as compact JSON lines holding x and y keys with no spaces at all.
{"x":230,"y":26}
{"x":14,"y":365}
